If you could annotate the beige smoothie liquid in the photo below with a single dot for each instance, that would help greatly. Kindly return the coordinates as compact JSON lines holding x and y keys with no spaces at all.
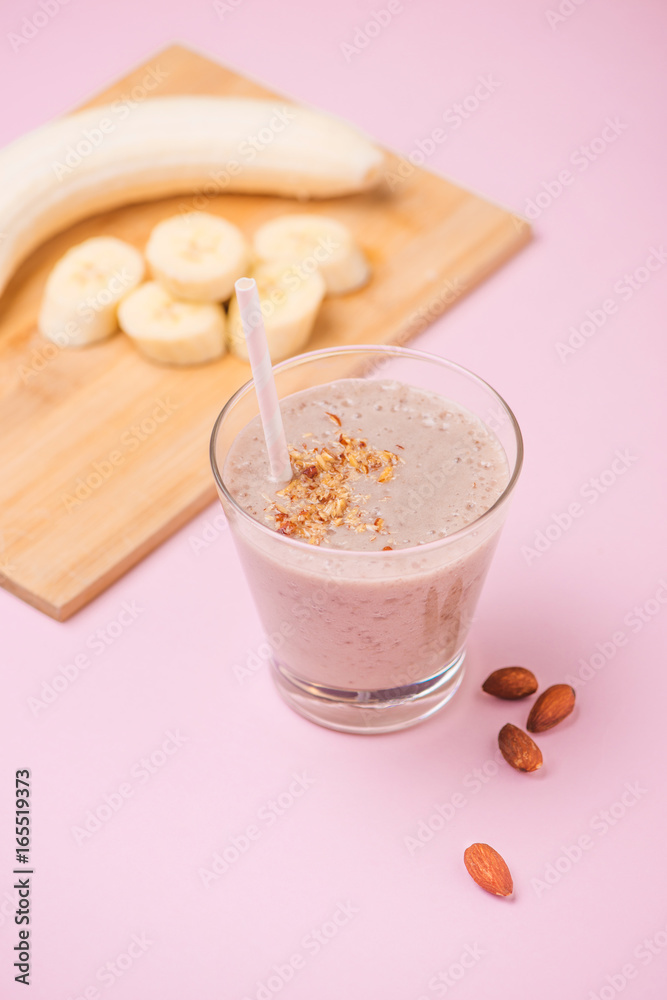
{"x":382,"y":472}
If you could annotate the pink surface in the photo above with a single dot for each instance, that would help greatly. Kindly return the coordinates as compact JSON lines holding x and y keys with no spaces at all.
{"x":125,"y":912}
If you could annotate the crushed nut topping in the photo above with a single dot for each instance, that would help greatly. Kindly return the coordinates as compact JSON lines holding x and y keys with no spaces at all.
{"x":322,"y":495}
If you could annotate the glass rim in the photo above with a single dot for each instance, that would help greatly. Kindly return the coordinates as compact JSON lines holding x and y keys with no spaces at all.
{"x":400,"y":352}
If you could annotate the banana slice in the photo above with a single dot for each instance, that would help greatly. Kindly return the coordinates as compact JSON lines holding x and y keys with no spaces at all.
{"x":198,"y":256}
{"x":173,"y":332}
{"x":82,"y":292}
{"x":315,"y":242}
{"x":289,"y":306}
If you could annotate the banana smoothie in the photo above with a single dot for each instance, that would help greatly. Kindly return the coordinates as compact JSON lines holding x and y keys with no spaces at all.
{"x":371,"y":598}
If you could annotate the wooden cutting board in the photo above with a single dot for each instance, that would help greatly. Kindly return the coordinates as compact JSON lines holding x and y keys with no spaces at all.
{"x":105,"y":455}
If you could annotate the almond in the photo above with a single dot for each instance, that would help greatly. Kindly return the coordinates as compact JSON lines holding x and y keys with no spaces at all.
{"x":518,"y":749}
{"x":553,"y":705}
{"x":487,"y":868}
{"x":510,"y":683}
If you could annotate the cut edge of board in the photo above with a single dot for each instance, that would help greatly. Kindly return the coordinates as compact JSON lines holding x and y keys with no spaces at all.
{"x":61,"y":612}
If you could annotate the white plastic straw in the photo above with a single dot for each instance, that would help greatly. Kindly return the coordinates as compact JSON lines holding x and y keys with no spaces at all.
{"x":265,"y":386}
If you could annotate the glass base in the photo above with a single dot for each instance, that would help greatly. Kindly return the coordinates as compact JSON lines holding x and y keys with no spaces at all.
{"x":369,"y":712}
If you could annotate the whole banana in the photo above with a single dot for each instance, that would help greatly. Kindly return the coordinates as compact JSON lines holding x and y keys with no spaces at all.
{"x":78,"y":165}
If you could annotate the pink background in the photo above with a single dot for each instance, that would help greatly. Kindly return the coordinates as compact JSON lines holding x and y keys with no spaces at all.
{"x":580,"y":915}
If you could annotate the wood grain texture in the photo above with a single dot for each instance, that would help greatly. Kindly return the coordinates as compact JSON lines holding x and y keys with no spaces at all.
{"x":136,"y":435}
